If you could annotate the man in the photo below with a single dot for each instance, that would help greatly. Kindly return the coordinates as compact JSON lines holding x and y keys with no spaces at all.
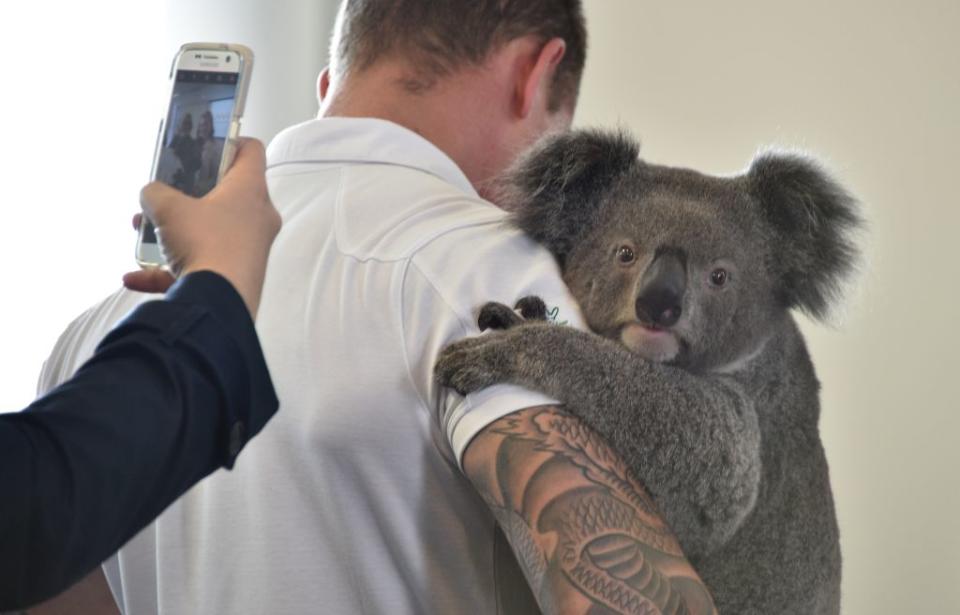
{"x":171,"y":395}
{"x":354,"y":500}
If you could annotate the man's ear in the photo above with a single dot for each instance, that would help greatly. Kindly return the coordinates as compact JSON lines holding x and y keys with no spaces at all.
{"x":555,"y":190}
{"x":814,"y":220}
{"x":535,"y":78}
{"x":323,"y":84}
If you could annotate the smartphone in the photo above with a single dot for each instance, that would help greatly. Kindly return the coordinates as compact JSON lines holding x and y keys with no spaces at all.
{"x":197,"y":137}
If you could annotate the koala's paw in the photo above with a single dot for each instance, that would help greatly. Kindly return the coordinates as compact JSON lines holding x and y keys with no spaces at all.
{"x":532,"y":308}
{"x":472,"y":364}
{"x":495,"y":315}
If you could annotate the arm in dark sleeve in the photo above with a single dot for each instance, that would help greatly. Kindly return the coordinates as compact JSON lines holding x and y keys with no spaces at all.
{"x":171,"y":394}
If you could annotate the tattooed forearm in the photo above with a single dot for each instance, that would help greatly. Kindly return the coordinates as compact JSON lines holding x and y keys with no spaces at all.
{"x":587,"y":535}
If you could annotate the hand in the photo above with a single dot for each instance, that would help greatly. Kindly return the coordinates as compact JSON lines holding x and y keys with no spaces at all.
{"x":229,"y":231}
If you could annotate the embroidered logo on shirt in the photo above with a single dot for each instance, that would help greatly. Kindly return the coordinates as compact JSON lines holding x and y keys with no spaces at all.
{"x":552,"y":315}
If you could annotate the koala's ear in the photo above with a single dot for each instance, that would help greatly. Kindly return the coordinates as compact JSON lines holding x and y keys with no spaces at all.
{"x":814,"y":221}
{"x":555,"y":190}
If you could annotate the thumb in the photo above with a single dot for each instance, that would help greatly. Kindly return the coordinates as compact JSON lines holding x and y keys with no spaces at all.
{"x":247,"y":173}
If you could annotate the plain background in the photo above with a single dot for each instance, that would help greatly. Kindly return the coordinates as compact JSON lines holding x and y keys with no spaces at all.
{"x":870,"y":86}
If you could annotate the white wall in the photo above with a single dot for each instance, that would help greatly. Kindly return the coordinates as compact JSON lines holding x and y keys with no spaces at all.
{"x":84,"y":86}
{"x":289,"y":41}
{"x":872,"y":86}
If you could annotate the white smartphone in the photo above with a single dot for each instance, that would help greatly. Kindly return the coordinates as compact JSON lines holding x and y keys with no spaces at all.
{"x":197,"y":137}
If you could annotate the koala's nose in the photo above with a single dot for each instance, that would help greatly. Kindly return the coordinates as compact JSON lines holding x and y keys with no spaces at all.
{"x":660,"y":300}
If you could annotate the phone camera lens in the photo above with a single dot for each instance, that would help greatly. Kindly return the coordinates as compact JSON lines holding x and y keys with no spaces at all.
{"x":228,"y":59}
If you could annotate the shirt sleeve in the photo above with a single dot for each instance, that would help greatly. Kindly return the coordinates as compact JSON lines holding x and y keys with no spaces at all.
{"x":171,"y":394}
{"x":447,"y":283}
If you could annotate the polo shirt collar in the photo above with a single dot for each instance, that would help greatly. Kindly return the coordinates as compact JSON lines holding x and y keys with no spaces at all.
{"x":363,"y":140}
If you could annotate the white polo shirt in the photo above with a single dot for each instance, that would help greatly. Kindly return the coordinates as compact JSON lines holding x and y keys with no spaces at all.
{"x":350,"y":500}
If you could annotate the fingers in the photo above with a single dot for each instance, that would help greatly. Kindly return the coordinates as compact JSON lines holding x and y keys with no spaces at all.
{"x":148,"y":280}
{"x":157,"y":199}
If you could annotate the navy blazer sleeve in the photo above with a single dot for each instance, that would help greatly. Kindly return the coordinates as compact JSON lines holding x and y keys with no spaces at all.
{"x":172,"y":394}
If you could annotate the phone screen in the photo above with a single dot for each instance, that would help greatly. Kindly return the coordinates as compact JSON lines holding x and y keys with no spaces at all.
{"x":195,"y":131}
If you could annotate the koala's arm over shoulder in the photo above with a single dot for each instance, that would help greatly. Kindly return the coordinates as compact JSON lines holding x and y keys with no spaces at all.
{"x":693,"y":440}
{"x":586,"y":534}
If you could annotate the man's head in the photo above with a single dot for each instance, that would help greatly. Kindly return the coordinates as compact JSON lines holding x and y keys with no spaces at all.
{"x":482,"y":79}
{"x":440,"y":38}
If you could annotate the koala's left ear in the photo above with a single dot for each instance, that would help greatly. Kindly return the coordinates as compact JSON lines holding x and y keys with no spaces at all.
{"x":814,"y":220}
{"x":556,"y":189}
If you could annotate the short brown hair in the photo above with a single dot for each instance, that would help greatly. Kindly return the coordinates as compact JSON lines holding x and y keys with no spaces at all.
{"x":440,"y":36}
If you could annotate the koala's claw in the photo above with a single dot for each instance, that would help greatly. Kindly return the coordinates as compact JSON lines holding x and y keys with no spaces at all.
{"x":532,"y":308}
{"x":468,"y":380}
{"x":461,"y":368}
{"x":495,"y":315}
{"x":498,"y":316}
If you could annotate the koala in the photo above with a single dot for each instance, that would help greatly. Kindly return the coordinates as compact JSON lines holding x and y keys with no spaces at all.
{"x":696,"y":373}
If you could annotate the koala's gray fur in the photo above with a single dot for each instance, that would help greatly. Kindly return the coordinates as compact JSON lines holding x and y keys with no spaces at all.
{"x":714,"y":403}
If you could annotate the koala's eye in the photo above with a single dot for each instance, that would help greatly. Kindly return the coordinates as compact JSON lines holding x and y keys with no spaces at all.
{"x":719,"y":277}
{"x":625,"y":255}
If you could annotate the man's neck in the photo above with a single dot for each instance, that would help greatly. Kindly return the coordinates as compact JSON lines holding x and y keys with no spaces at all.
{"x":453,"y":115}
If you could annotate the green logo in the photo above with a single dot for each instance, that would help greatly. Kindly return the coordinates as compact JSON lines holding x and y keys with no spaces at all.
{"x":552,"y":316}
